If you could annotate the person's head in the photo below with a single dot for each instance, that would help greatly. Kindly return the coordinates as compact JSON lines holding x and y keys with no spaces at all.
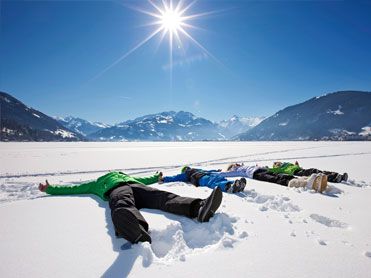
{"x":233,"y":166}
{"x":277,"y":164}
{"x":184,"y":168}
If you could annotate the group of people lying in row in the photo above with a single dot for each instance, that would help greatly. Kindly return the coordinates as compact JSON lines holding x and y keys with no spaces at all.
{"x":127,"y":194}
{"x":283,"y":173}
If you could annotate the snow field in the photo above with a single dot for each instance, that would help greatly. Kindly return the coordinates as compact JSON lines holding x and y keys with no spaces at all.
{"x":266,"y":231}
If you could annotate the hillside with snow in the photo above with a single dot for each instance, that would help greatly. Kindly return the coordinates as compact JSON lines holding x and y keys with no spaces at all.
{"x":266,"y":231}
{"x":18,"y":122}
{"x":344,"y":115}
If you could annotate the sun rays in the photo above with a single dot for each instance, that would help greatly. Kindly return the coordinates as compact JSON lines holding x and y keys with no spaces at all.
{"x":171,"y":20}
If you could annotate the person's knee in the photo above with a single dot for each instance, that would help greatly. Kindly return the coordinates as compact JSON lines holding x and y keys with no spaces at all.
{"x":121,"y":203}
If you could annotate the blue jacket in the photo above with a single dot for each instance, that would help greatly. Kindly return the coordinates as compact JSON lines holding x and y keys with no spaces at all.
{"x":190,"y":175}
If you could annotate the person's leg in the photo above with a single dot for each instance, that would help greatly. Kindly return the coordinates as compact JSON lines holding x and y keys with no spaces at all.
{"x":152,"y":198}
{"x":306,"y":172}
{"x":127,"y":220}
{"x":213,"y":181}
{"x":331,"y":176}
{"x":264,"y":175}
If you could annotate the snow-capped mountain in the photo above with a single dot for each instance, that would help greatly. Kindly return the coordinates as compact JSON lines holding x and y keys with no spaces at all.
{"x":22,"y":123}
{"x":236,"y":124}
{"x":165,"y":126}
{"x":344,"y":115}
{"x":81,"y":126}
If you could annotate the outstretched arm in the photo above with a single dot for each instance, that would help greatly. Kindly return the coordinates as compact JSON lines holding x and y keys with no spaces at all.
{"x":212,"y":171}
{"x":180,"y":177}
{"x":231,"y":174}
{"x":83,"y":188}
{"x":150,"y":179}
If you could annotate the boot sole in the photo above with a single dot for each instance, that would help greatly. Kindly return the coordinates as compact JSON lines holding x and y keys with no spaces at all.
{"x":317,"y":183}
{"x":236,"y":186}
{"x":239,"y":185}
{"x":323,"y":183}
{"x":243,"y":184}
{"x":338,"y":178}
{"x":212,"y":204}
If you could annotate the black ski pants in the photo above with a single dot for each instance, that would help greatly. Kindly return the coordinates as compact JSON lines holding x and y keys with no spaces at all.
{"x":133,"y":197}
{"x":262,"y":174}
{"x":331,"y":176}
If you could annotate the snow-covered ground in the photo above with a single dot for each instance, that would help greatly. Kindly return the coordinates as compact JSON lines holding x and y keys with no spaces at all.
{"x":266,"y":231}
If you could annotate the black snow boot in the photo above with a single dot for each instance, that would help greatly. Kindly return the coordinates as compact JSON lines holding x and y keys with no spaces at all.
{"x":128,"y":227}
{"x":210,"y":205}
{"x":338,"y":178}
{"x":242,"y":184}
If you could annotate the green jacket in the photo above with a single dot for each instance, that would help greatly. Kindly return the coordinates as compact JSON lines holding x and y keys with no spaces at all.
{"x":286,"y":168}
{"x":101,"y":185}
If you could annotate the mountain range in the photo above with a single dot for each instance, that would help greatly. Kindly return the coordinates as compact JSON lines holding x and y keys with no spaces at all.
{"x":344,"y":115}
{"x":22,"y":123}
{"x":164,"y":126}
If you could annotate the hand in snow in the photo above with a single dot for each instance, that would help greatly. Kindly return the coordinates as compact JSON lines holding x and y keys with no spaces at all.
{"x":160,"y":178}
{"x":43,"y":187}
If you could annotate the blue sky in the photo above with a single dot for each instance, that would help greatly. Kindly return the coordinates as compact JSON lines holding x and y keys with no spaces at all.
{"x":270,"y":55}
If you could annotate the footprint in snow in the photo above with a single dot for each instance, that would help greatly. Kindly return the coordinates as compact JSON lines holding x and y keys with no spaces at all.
{"x":273,"y":202}
{"x":328,"y":221}
{"x":244,"y":234}
{"x":355,"y":183}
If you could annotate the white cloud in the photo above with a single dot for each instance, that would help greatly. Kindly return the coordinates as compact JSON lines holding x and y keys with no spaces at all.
{"x":127,"y":98}
{"x":186,"y":61}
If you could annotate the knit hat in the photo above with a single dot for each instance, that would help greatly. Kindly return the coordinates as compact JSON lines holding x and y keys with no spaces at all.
{"x":184,"y":168}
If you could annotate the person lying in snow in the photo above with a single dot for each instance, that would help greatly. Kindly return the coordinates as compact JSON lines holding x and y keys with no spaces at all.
{"x":126,"y":195}
{"x":295,"y":169}
{"x":318,"y":182}
{"x":208,"y":178}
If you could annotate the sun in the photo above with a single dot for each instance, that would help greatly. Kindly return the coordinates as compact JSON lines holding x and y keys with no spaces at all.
{"x":171,"y":21}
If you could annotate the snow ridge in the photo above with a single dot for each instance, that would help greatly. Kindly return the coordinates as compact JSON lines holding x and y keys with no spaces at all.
{"x":185,"y":237}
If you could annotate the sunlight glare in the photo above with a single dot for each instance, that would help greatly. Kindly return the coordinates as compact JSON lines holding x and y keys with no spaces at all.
{"x":171,"y":20}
